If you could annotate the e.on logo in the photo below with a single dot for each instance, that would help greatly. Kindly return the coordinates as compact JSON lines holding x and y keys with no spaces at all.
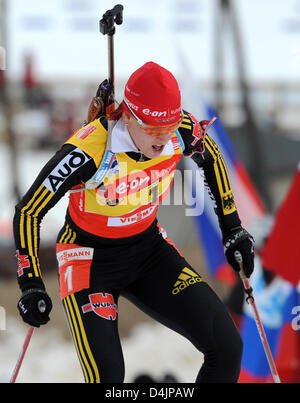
{"x":155,"y":113}
{"x":2,"y":318}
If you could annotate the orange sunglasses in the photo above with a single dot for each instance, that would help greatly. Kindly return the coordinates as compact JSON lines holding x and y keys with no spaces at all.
{"x":156,"y":130}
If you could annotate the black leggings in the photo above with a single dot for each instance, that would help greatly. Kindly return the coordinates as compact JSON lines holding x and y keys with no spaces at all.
{"x":159,"y":281}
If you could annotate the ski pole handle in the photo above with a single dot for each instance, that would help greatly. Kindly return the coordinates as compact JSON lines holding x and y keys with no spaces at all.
{"x":244,"y":278}
{"x":259,"y":325}
{"x":239,"y":259}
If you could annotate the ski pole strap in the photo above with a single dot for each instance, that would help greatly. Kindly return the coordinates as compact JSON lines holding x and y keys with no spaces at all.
{"x":248,"y":290}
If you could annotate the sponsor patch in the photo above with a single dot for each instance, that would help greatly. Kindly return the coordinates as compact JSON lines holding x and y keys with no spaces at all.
{"x":77,"y":253}
{"x":121,"y":221}
{"x":85,"y":132}
{"x":74,"y":160}
{"x":186,"y":278}
{"x":23,"y":263}
{"x":103,"y":305}
{"x":74,"y":263}
{"x":154,"y":113}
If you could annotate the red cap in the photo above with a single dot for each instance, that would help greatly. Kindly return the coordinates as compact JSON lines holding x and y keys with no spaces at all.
{"x":152,"y":94}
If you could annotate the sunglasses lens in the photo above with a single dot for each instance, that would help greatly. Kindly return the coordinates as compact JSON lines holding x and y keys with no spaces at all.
{"x":159,"y":131}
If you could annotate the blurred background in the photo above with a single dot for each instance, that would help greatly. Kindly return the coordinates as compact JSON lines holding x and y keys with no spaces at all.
{"x":238,"y":59}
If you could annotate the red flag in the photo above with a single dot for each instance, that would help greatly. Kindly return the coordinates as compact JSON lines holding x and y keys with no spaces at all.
{"x":281,"y":253}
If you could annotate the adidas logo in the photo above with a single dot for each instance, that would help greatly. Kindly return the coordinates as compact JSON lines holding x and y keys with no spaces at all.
{"x":186,"y":278}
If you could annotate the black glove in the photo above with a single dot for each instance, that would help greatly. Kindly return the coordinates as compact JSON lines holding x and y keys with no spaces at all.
{"x":35,"y":306}
{"x":240,"y":240}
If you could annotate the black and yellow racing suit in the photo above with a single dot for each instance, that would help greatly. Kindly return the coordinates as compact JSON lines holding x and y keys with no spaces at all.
{"x":111,"y":244}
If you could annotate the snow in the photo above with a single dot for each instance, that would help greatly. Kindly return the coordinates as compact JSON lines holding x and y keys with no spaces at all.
{"x":51,"y":358}
{"x":156,"y":350}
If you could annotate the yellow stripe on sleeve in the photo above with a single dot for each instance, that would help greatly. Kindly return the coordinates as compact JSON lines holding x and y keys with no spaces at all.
{"x":28,"y":225}
{"x":22,"y":229}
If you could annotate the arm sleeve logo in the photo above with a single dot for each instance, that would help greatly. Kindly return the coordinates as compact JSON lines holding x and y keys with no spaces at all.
{"x":23,"y":263}
{"x":64,"y":169}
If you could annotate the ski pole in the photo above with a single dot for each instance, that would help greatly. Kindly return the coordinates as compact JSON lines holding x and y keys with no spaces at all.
{"x":21,"y":356}
{"x":42,"y":308}
{"x":249,"y":291}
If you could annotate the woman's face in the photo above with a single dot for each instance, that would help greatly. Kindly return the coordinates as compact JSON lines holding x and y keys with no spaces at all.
{"x":151,"y":146}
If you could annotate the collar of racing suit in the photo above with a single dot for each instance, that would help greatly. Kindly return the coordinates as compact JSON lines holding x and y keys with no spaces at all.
{"x":121,"y":141}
